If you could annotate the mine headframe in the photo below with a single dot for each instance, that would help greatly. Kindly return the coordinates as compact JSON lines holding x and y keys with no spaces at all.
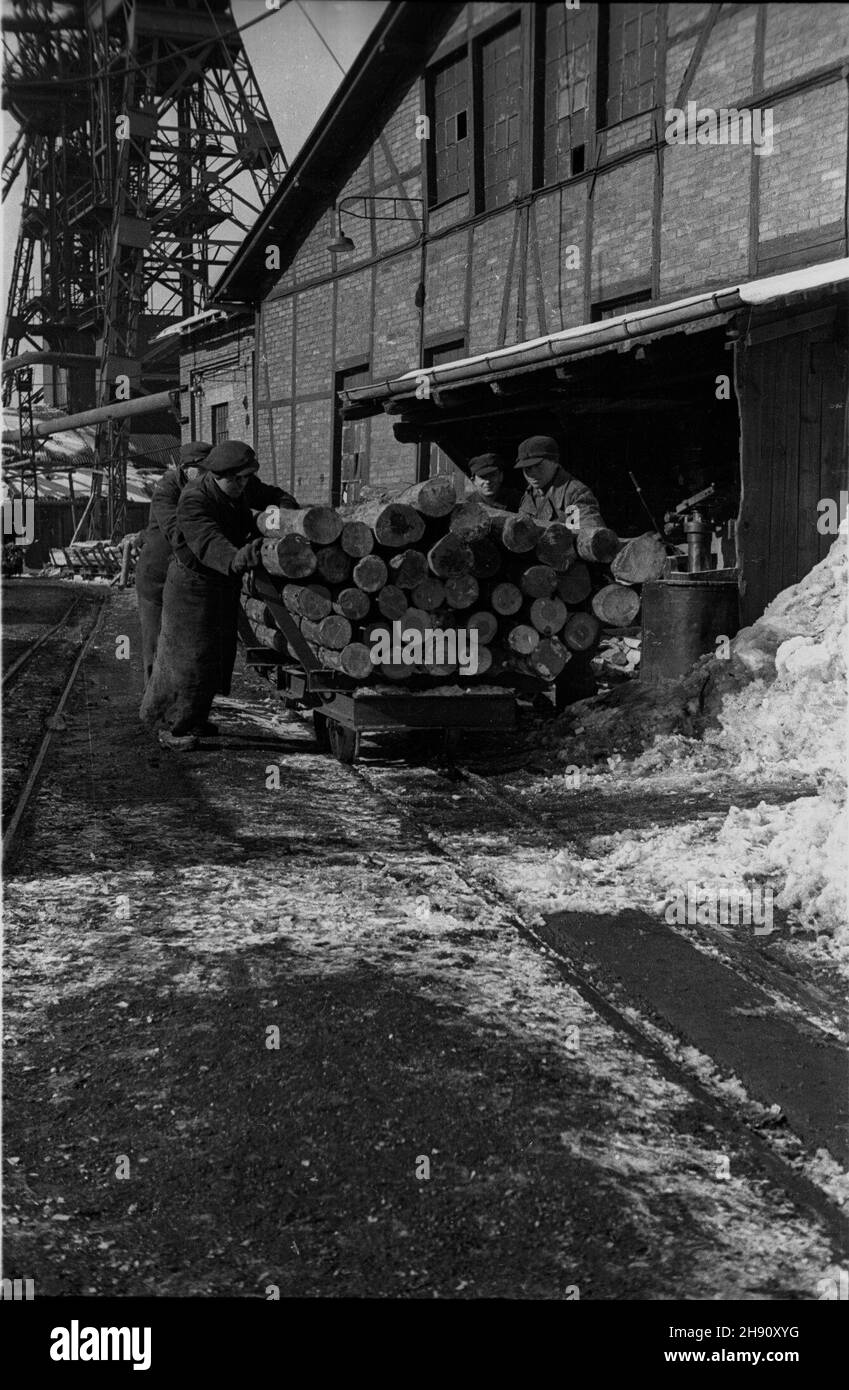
{"x":149,"y":151}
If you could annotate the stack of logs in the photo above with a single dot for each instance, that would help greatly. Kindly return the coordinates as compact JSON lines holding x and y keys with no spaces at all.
{"x":534,"y":593}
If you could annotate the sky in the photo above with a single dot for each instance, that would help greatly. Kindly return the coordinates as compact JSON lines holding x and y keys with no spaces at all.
{"x":298,"y":55}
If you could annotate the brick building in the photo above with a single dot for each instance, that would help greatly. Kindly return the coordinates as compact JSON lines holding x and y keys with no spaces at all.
{"x":515,"y":208}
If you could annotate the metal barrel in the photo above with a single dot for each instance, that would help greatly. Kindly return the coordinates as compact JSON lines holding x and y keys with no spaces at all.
{"x":682,"y":618}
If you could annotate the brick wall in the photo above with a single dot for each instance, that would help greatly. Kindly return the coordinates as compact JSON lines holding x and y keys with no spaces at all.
{"x":521,"y":282}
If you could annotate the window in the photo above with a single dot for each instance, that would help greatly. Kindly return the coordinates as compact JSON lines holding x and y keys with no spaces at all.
{"x":627,"y":49}
{"x":611,"y":308}
{"x":220,"y":423}
{"x":350,"y":442}
{"x":449,"y":105}
{"x":565,"y":82}
{"x":501,"y":94}
{"x":432,"y":459}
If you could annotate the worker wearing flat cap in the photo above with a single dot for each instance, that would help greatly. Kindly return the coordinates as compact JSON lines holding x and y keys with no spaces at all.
{"x":488,"y":473}
{"x":217,"y":541}
{"x":157,"y":544}
{"x":552,"y":493}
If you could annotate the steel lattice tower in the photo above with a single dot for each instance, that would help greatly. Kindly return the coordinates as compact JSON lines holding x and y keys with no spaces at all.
{"x":148,"y":152}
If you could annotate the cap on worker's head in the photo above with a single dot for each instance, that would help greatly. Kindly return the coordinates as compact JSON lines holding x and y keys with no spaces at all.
{"x":194,"y":452}
{"x":230,"y":457}
{"x":540,"y":448}
{"x":484,"y":465}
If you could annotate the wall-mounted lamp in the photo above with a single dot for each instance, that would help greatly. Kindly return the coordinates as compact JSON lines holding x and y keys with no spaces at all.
{"x":341,"y":243}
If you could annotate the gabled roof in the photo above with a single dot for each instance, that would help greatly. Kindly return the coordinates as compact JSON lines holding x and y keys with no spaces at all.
{"x":394,"y":53}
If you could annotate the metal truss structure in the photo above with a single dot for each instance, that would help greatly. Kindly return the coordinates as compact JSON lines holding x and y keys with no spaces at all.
{"x":148,"y":152}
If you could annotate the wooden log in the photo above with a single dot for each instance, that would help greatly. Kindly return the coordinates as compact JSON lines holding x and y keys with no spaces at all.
{"x":548,"y":659}
{"x":257,"y":612}
{"x":353,"y":604}
{"x":522,"y":638}
{"x":485,"y":624}
{"x":432,"y":497}
{"x":330,"y":657}
{"x":548,"y":615}
{"x":461,"y":591}
{"x":395,"y":524}
{"x":415,"y":620}
{"x":356,"y":539}
{"x":270,"y":637}
{"x":575,"y":585}
{"x":641,"y":559}
{"x":616,"y":605}
{"x":311,"y":632}
{"x":308,"y":600}
{"x":580,"y":631}
{"x":538,"y":581}
{"x":556,"y":546}
{"x":291,"y":557}
{"x":519,"y":533}
{"x":449,"y":557}
{"x":506,"y":599}
{"x":597,"y":543}
{"x":471,"y":520}
{"x":355,"y":660}
{"x":396,"y":672}
{"x":318,"y":525}
{"x":408,"y":569}
{"x":448,"y":669}
{"x":429,"y":595}
{"x":370,"y":574}
{"x":486,"y":558}
{"x":484,"y":660}
{"x":333,"y":564}
{"x":335,"y":632}
{"x":392,"y":601}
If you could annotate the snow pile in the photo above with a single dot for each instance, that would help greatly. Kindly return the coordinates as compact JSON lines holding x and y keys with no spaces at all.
{"x":775,"y":709}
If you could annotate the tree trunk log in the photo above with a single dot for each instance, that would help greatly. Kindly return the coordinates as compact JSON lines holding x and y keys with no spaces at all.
{"x":334,"y":632}
{"x":597,"y":543}
{"x":522,"y":639}
{"x":356,"y":539}
{"x":556,"y":546}
{"x":292,"y":557}
{"x":308,"y":600}
{"x":429,"y":595}
{"x":408,"y":569}
{"x":548,"y":615}
{"x":319,"y":525}
{"x":356,"y":661}
{"x":538,"y":581}
{"x":484,"y":623}
{"x":270,"y":637}
{"x":333,"y":564}
{"x":449,"y":557}
{"x":506,"y":599}
{"x":616,"y":605}
{"x":370,"y":574}
{"x":580,"y":631}
{"x":330,"y":658}
{"x":549,"y":658}
{"x":519,"y":533}
{"x":461,"y":591}
{"x":394,"y":524}
{"x":575,"y":585}
{"x":392,"y":601}
{"x":642,"y":558}
{"x":353,"y":604}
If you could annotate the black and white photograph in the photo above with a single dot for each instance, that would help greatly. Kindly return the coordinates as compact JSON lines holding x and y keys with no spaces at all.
{"x":424,"y":667}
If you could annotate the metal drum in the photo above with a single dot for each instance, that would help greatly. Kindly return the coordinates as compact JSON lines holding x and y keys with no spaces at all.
{"x":682,"y":617}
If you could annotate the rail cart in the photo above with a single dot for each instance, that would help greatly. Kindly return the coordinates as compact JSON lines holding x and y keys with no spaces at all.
{"x":344,"y":711}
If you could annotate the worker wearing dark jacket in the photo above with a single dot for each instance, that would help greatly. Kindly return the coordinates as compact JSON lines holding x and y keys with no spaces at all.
{"x":487,"y":472}
{"x":553,"y":494}
{"x":157,"y":544}
{"x":217,"y":541}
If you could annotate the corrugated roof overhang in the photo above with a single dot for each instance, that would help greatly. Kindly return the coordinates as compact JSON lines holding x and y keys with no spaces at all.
{"x":695,"y":313}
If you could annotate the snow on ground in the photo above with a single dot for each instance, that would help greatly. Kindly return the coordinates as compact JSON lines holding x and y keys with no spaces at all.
{"x":774,"y":709}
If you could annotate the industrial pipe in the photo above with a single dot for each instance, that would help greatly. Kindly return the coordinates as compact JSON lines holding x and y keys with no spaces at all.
{"x":143,"y":405}
{"x":54,"y":359}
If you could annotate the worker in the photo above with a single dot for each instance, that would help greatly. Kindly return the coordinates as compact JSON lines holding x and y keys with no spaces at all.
{"x":488,"y":473}
{"x":217,"y":543}
{"x":157,"y":544}
{"x":553,"y":494}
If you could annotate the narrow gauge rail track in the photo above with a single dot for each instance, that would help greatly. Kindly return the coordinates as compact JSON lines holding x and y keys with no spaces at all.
{"x":653,"y":1043}
{"x":26,"y":656}
{"x":12,"y":825}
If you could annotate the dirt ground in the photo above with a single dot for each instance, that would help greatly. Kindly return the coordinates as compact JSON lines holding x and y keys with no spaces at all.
{"x":262,"y":1035}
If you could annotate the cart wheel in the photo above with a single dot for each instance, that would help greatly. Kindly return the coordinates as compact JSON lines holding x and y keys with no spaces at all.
{"x":451,"y":741}
{"x":322,"y":736}
{"x":344,"y":743}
